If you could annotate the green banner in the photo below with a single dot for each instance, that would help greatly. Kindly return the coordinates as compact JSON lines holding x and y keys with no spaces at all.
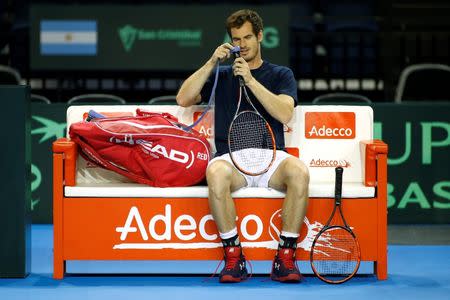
{"x":149,"y":37}
{"x":418,"y":136}
{"x":48,"y":122}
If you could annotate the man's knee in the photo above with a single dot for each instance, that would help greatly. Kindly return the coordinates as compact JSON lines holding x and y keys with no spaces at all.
{"x":295,"y":171}
{"x":219,"y":171}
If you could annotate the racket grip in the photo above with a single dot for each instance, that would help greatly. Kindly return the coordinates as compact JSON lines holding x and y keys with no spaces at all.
{"x":237,"y":53}
{"x":338,"y":185}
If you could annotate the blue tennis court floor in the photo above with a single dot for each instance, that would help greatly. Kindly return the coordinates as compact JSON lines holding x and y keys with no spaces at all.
{"x":415,"y":272}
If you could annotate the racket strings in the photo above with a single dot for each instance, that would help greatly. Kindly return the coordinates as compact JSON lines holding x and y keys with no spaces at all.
{"x":251,"y":142}
{"x":335,"y":254}
{"x":251,"y":131}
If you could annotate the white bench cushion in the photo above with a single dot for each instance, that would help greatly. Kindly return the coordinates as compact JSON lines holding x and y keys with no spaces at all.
{"x":132,"y":190}
{"x":320,"y":154}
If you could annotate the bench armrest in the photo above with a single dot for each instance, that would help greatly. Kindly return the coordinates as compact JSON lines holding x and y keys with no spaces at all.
{"x":293,"y":151}
{"x":372,"y":150}
{"x":65,"y":150}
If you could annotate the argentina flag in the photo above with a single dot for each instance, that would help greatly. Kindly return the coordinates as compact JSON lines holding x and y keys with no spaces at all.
{"x":74,"y":37}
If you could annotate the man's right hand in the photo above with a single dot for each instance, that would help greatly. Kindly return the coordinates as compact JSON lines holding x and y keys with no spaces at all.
{"x":222,"y":53}
{"x":189,"y":92}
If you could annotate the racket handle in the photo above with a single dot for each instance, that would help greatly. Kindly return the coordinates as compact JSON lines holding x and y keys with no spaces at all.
{"x":338,"y":185}
{"x":241,"y":80}
{"x":236,"y":51}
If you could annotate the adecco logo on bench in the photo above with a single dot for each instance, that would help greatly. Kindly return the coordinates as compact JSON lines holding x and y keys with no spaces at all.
{"x":205,"y":126}
{"x":329,"y":163}
{"x":330,"y":125}
{"x":171,"y":229}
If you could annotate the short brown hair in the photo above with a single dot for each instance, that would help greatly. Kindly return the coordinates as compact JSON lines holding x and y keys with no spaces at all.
{"x":238,"y":18}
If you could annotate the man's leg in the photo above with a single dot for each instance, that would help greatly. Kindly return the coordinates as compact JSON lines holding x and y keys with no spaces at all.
{"x":291,"y":176}
{"x":222,"y":179}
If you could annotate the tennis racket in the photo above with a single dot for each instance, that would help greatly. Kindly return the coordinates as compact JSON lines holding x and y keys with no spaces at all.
{"x":251,"y":141}
{"x":335,"y":254}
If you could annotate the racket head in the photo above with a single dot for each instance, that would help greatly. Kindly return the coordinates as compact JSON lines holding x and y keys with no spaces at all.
{"x":251,"y":143}
{"x":335,"y":255}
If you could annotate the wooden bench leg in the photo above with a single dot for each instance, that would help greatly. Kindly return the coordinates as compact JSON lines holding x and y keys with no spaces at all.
{"x":59,"y":264}
{"x":382,"y":240}
{"x":59,"y":268}
{"x":380,"y":269}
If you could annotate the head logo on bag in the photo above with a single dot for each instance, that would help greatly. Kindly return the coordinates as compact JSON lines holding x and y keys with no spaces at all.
{"x":158,"y":151}
{"x":150,"y":148}
{"x":172,"y":154}
{"x":330,"y":125}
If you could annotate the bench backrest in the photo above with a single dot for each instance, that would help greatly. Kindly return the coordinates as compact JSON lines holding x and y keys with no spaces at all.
{"x":326,"y":135}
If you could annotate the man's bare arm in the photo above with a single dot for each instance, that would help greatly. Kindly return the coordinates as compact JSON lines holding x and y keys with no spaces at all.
{"x":189,"y":92}
{"x":281,"y":107}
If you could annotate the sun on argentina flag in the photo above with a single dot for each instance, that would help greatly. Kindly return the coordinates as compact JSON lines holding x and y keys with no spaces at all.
{"x":68,"y":37}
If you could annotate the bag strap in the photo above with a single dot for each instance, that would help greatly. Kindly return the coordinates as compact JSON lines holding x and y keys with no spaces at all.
{"x":92,"y":156}
{"x":165,"y":115}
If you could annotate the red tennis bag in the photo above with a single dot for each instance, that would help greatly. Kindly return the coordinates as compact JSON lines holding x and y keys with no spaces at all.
{"x":150,"y":148}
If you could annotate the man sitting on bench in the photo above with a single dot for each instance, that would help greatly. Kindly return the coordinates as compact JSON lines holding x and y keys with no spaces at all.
{"x":273,"y":90}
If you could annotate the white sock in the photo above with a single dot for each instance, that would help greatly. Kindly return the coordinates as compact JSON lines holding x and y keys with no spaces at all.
{"x":227,"y":235}
{"x":289,"y":234}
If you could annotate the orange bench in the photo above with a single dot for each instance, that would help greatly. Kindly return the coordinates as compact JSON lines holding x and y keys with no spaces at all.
{"x":98,"y":215}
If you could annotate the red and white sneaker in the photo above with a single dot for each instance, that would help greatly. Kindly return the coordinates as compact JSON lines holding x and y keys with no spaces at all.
{"x":235,"y":267}
{"x":284,"y":267}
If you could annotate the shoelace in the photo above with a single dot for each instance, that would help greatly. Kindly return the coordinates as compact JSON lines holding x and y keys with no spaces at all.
{"x":231,"y":262}
{"x":214,"y":273}
{"x":290,"y":265}
{"x":289,"y":262}
{"x":251,"y":269}
{"x":223,"y":260}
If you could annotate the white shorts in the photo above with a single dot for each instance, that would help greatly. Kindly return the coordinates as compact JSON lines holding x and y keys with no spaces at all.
{"x":259,"y":180}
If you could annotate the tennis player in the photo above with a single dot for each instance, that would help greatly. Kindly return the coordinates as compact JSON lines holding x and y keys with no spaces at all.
{"x":273,"y":90}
